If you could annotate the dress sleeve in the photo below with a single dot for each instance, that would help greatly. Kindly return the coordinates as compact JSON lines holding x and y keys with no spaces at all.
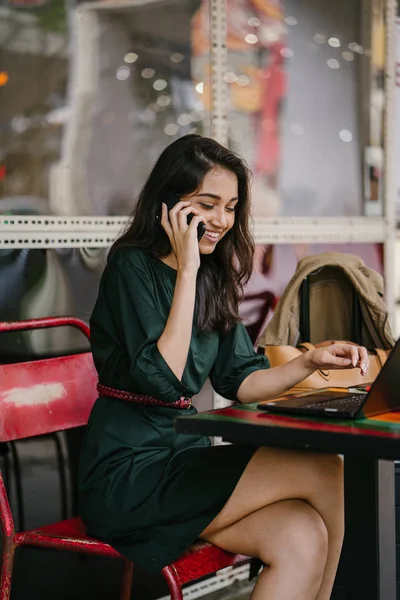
{"x":140,"y":322}
{"x":235,"y":361}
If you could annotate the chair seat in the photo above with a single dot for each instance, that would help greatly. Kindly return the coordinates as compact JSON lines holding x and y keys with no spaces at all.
{"x":67,"y":535}
{"x":203,"y":558}
{"x":71,"y":528}
{"x":200,"y":559}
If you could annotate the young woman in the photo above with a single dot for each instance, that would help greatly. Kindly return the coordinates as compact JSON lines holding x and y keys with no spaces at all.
{"x":166,"y":318}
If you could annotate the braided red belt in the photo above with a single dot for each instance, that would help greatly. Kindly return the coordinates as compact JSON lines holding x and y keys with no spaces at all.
{"x":105,"y":390}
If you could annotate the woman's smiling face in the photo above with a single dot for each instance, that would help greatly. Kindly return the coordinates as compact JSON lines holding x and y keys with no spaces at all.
{"x":216,"y":200}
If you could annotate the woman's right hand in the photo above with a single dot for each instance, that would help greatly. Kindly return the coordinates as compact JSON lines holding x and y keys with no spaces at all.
{"x":183,"y":237}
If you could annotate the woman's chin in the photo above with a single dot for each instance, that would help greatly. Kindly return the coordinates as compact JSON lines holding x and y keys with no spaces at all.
{"x":207,"y":245}
{"x":206,"y":248}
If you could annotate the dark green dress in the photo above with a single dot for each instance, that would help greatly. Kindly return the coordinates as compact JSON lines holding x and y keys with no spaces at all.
{"x":143,"y":488}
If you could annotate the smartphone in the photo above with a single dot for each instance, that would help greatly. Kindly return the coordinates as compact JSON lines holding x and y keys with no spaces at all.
{"x":170,"y":200}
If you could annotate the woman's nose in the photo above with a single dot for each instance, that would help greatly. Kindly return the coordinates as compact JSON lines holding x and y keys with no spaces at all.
{"x":219,"y":219}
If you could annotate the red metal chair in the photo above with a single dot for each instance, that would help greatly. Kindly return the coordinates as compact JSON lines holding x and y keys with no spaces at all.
{"x":56,"y":394}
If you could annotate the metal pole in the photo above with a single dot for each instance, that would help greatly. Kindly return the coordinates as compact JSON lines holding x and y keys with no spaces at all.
{"x":390,"y":159}
{"x":218,"y":56}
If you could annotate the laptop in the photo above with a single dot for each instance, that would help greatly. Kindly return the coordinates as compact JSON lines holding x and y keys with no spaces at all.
{"x":341,"y":403}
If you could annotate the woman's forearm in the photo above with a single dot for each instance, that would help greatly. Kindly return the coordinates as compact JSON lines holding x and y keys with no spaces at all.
{"x":269,"y":383}
{"x":174,"y":342}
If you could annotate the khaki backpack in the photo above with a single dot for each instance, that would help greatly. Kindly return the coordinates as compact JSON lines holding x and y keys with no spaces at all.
{"x":331,"y":296}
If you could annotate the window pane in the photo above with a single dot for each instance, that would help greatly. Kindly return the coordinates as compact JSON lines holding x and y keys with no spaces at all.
{"x":306,"y":104}
{"x":80,"y":136}
{"x":33,"y":110}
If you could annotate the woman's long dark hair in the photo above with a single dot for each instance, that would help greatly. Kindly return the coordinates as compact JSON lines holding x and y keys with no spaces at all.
{"x":181,"y":169}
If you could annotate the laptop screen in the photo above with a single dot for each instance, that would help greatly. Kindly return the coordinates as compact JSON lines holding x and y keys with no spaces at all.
{"x":385,"y":391}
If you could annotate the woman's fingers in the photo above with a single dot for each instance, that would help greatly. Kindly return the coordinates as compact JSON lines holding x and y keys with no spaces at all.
{"x":195,"y":222}
{"x":354,"y":353}
{"x":165,"y":222}
{"x":364,"y":360}
{"x":339,"y":361}
{"x":183,"y":236}
{"x":358,"y":355}
{"x":183,"y":215}
{"x":174,"y":212}
{"x":178,"y":218}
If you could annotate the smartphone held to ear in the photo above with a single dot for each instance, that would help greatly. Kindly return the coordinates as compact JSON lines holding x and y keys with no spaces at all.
{"x":170,"y":199}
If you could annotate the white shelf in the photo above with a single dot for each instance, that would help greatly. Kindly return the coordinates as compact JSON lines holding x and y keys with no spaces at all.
{"x":286,"y":230}
{"x":98,"y":232}
{"x":59,"y":232}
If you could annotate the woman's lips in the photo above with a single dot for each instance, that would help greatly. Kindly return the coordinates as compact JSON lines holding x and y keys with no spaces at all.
{"x":212,"y":236}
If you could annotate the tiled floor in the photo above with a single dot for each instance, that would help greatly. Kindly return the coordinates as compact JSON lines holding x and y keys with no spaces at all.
{"x":245,"y":594}
{"x":235,"y":592}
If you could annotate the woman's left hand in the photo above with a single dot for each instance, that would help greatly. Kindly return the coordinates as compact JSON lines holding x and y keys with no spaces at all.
{"x":340,"y":356}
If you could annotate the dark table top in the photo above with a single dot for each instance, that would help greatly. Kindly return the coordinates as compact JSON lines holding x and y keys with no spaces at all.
{"x":377,"y":437}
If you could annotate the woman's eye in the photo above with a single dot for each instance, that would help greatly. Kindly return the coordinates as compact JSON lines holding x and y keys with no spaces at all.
{"x":207,"y":206}
{"x":231,"y":210}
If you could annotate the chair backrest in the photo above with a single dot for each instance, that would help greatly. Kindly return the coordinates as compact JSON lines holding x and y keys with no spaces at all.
{"x":330,"y":308}
{"x":44,"y":396}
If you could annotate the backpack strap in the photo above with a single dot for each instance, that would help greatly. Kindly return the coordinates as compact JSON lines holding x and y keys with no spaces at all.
{"x":304,"y":317}
{"x":306,"y":345}
{"x":381,"y":354}
{"x":357,"y":319}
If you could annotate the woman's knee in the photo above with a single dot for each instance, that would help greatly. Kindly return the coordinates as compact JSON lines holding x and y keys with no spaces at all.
{"x":302,"y":543}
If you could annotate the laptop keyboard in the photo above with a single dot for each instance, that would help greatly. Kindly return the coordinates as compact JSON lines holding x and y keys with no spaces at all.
{"x":350,"y":403}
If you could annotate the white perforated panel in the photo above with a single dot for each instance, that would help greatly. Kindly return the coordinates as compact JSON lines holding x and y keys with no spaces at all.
{"x":59,"y":232}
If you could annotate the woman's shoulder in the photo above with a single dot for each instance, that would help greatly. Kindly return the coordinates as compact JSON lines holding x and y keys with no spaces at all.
{"x":130,"y":257}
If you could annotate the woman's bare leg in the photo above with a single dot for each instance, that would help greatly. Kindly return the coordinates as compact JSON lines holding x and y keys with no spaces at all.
{"x":291,"y":538}
{"x":273,"y":475}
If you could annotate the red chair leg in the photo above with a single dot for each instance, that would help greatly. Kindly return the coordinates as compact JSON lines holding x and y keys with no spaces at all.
{"x":7,"y":563}
{"x":172,"y":579}
{"x":127,"y":577}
